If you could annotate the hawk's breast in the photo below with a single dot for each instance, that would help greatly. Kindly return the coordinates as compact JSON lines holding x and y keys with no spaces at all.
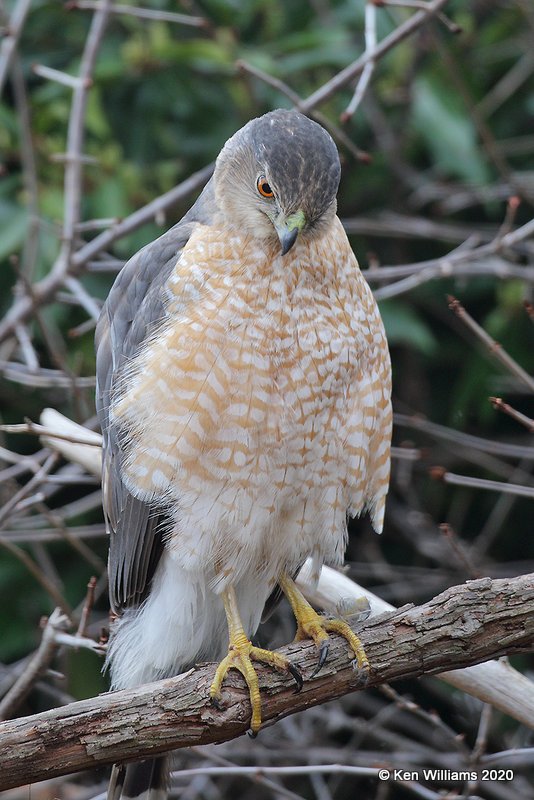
{"x":263,"y":386}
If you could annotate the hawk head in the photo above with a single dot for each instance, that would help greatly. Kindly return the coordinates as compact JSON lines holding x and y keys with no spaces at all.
{"x":277,"y":178}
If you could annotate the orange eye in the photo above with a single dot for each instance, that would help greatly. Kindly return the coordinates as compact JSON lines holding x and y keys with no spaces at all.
{"x":263,"y":187}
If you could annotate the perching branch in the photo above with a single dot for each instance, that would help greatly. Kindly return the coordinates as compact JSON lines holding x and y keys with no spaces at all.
{"x":465,"y":625}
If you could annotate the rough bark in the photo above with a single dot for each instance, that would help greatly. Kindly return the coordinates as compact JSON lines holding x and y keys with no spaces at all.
{"x":465,"y":625}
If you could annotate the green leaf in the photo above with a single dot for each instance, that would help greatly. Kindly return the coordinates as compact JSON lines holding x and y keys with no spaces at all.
{"x":441,"y":119}
{"x":13,"y":224}
{"x":404,"y":327}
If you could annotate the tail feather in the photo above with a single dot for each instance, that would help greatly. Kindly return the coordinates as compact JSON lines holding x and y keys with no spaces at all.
{"x":144,"y":780}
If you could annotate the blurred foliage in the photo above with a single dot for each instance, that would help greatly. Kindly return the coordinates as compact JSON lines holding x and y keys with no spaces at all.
{"x":438,"y":126}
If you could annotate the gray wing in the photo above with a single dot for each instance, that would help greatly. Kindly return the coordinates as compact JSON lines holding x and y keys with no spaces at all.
{"x":134,"y":306}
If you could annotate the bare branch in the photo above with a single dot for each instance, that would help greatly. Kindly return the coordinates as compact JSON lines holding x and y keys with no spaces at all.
{"x":40,"y":476}
{"x":494,"y":682}
{"x":297,"y":101}
{"x":143,"y":13}
{"x":86,"y":438}
{"x":9,"y":43}
{"x":468,"y":260}
{"x":367,"y":72}
{"x":45,"y":290}
{"x":507,"y":85}
{"x":309,"y":769}
{"x":37,"y":665}
{"x":493,"y":347}
{"x":334,"y":588}
{"x":439,"y":473}
{"x":43,"y":377}
{"x":499,"y":404}
{"x":353,"y":70}
{"x":87,"y":607}
{"x":32,"y":567}
{"x":145,"y":214}
{"x":462,"y":626}
{"x":72,"y":81}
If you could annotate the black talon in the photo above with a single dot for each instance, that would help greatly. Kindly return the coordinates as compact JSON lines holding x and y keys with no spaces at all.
{"x":252,"y":734}
{"x":216,"y":703}
{"x":297,"y":677}
{"x":323,"y":653}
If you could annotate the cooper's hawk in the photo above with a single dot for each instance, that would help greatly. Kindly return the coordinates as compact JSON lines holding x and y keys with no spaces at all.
{"x":244,"y":398}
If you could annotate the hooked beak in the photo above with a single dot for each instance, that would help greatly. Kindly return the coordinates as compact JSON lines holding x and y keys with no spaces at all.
{"x":288,"y":230}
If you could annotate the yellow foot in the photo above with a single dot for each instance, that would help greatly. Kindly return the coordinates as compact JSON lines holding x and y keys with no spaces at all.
{"x":241,"y":654}
{"x":311,"y":625}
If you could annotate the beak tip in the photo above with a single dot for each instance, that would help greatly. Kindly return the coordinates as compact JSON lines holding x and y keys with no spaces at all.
{"x":288,"y":240}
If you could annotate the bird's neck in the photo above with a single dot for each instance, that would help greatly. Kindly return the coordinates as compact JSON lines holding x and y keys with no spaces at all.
{"x":220,"y":260}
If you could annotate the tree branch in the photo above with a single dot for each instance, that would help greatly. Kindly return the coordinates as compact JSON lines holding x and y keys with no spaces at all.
{"x":45,"y":290}
{"x":9,"y":43}
{"x":348,"y":74}
{"x":465,"y":625}
{"x":37,"y":665}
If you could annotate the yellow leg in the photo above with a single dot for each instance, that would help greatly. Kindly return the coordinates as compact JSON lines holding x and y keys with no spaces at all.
{"x":241,"y":654}
{"x":310,"y":625}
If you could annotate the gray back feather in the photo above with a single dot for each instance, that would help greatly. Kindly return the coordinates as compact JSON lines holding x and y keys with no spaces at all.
{"x":136,"y":303}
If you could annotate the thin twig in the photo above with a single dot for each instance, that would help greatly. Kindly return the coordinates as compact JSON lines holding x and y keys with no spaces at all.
{"x":143,"y":13}
{"x":505,"y":87}
{"x":516,"y":757}
{"x":54,"y":534}
{"x":224,"y":763}
{"x":145,"y":214}
{"x":433,"y":719}
{"x":309,"y":769}
{"x":499,"y":405}
{"x":340,"y":80}
{"x":87,"y":607}
{"x":9,"y":43}
{"x":28,"y":260}
{"x":439,"y":473}
{"x":296,"y":99}
{"x":44,"y":290}
{"x":82,"y":328}
{"x":462,"y":87}
{"x":84,"y":642}
{"x":26,"y":346}
{"x":458,"y":549}
{"x":43,"y":378}
{"x":464,"y":440}
{"x":82,"y":296}
{"x":493,"y":347}
{"x":11,"y":505}
{"x":76,"y":136}
{"x":96,"y":224}
{"x":72,"y":81}
{"x":416,"y":274}
{"x":512,"y":207}
{"x":37,"y":665}
{"x":499,"y":512}
{"x":37,"y":573}
{"x":481,"y":743}
{"x":72,"y":536}
{"x":367,"y":72}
